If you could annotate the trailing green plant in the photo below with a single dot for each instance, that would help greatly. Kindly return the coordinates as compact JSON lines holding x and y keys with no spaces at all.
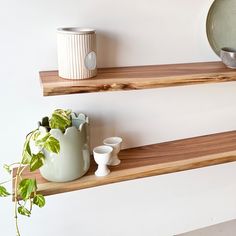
{"x":25,"y":194}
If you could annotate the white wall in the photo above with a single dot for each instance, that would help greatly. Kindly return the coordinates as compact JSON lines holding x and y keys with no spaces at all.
{"x":130,"y":32}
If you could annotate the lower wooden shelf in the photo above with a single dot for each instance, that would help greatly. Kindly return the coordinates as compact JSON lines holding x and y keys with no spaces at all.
{"x":152,"y":160}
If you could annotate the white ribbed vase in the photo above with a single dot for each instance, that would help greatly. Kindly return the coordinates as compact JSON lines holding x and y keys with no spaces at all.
{"x":76,"y":53}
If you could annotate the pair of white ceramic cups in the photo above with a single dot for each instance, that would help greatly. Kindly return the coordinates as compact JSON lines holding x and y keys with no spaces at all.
{"x":107,"y":154}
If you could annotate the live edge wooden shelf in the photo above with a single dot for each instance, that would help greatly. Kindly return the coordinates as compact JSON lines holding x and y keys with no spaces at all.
{"x":153,"y":160}
{"x":139,"y":77}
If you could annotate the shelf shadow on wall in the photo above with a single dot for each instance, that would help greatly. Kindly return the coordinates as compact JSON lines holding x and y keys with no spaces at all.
{"x":107,"y":49}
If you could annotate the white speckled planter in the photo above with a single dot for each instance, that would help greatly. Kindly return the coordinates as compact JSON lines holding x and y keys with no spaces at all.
{"x":73,"y":161}
{"x":76,"y":53}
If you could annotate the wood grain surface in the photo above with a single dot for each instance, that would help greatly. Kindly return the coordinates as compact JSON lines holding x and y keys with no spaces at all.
{"x":139,"y":77}
{"x":153,"y":160}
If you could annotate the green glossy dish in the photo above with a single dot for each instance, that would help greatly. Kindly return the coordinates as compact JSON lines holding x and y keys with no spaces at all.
{"x":221,"y":25}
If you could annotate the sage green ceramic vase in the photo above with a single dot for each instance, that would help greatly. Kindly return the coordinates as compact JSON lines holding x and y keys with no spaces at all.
{"x":73,"y":161}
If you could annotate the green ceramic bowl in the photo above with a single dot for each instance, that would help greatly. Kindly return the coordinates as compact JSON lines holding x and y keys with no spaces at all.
{"x":221,"y":25}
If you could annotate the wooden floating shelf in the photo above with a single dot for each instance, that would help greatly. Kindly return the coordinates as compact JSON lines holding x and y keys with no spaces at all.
{"x":152,"y":160}
{"x":139,"y":77}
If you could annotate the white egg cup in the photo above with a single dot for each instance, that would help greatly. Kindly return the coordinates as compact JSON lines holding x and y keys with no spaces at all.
{"x":115,"y":143}
{"x":102,"y":156}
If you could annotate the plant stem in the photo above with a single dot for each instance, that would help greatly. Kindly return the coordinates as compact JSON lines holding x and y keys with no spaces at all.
{"x":31,"y":204}
{"x":22,"y":169}
{"x":7,"y":181}
{"x":16,"y":163}
{"x":15,"y":200}
{"x":18,"y":174}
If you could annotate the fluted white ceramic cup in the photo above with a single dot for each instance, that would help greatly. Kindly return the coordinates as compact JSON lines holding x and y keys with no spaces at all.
{"x":102,"y":155}
{"x":115,"y":143}
{"x":76,"y":49}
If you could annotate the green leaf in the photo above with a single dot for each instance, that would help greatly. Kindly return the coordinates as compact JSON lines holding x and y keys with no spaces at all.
{"x":7,"y":168}
{"x":37,"y":161}
{"x":48,"y":142}
{"x":26,"y":158}
{"x":60,"y":119}
{"x":35,"y":135}
{"x":3,"y":192}
{"x":39,"y":200}
{"x":68,"y":112}
{"x":26,"y":188}
{"x":63,"y":112}
{"x":26,"y":155}
{"x":52,"y":145}
{"x":41,"y":139}
{"x":24,"y":211}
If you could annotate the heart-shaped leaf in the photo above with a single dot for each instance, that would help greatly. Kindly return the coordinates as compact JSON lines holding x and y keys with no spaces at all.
{"x":26,"y":188}
{"x":39,"y":200}
{"x":3,"y":192}
{"x":60,"y":120}
{"x":37,"y":161}
{"x":52,"y":145}
{"x":41,"y":139}
{"x":7,"y":168}
{"x":26,"y":155}
{"x":24,"y":211}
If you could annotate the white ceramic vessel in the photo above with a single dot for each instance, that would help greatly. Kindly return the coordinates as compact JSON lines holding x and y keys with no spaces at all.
{"x":115,"y":143}
{"x":102,"y":156}
{"x":76,"y":53}
{"x":73,"y":161}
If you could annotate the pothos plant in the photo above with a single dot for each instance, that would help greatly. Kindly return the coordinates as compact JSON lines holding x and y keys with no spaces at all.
{"x":25,"y":194}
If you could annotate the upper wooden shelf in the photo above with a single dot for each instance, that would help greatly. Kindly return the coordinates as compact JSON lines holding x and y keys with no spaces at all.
{"x":139,"y":77}
{"x":153,"y":160}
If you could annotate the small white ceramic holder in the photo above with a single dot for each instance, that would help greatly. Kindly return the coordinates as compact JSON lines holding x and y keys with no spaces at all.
{"x":76,"y":49}
{"x":102,"y":156}
{"x":115,"y":143}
